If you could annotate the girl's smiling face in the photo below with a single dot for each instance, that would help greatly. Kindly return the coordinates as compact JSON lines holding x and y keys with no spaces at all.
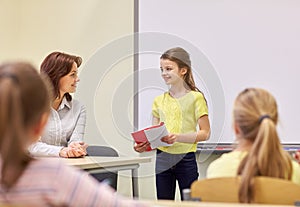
{"x":67,"y":84}
{"x":170,"y":72}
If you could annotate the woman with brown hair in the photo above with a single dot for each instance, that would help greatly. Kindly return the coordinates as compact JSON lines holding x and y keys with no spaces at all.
{"x":63,"y":135}
{"x":259,"y":151}
{"x":25,"y":181}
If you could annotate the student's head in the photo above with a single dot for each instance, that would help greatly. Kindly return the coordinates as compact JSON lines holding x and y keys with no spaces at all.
{"x":255,"y":111}
{"x":62,"y":68}
{"x":24,"y":109}
{"x":177,"y":61}
{"x":255,"y":117}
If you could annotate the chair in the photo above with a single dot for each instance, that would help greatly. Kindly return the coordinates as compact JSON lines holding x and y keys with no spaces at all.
{"x":110,"y":177}
{"x":267,"y":190}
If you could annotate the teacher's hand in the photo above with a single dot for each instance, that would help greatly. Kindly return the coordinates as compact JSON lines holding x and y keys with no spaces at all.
{"x":69,"y":152}
{"x":79,"y":146}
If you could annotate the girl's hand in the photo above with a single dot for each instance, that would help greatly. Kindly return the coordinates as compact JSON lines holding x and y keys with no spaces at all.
{"x":170,"y":139}
{"x":297,"y":156}
{"x":141,"y":147}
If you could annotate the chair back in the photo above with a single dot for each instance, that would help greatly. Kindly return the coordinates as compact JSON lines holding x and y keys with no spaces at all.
{"x":110,"y":177}
{"x":276,"y":191}
{"x":95,"y":150}
{"x":267,"y":190}
{"x":216,"y":189}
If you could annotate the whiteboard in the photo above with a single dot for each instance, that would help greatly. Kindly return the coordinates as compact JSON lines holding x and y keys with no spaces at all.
{"x":233,"y":45}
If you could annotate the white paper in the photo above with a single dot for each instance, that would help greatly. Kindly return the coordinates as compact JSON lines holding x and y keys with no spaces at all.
{"x":154,"y":136}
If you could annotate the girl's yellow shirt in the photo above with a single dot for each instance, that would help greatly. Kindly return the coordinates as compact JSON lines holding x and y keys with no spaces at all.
{"x":180,"y":116}
{"x":227,"y":166}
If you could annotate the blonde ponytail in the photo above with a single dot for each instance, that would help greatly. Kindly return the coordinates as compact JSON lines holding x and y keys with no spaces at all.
{"x":256,"y":115}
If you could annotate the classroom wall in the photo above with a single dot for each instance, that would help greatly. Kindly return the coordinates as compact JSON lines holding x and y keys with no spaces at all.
{"x":31,"y":29}
{"x":8,"y":29}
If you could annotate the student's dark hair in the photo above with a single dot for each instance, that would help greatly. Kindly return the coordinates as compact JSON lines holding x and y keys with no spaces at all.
{"x":24,"y":98}
{"x":182,"y":58}
{"x":255,"y":114}
{"x":56,"y":65}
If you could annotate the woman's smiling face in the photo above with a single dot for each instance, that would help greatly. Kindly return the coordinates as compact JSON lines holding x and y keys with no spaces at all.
{"x":68,"y":83}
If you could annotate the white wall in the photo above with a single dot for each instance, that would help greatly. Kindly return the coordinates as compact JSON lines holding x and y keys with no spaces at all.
{"x":250,"y":43}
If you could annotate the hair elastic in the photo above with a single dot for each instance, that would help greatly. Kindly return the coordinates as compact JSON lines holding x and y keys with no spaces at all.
{"x":261,"y":118}
{"x":10,"y":76}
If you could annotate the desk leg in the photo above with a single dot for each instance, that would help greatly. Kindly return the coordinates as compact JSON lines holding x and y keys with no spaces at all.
{"x":135,"y":184}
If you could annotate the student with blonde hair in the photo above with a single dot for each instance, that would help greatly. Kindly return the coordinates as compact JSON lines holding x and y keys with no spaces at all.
{"x":259,"y":151}
{"x":25,"y":181}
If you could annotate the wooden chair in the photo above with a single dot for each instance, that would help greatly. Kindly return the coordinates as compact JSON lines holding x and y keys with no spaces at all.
{"x":267,"y":190}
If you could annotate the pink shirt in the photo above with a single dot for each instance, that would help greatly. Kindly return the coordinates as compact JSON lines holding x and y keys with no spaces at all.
{"x":49,"y":182}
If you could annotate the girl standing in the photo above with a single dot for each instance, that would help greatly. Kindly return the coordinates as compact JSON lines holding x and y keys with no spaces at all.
{"x":183,"y":108}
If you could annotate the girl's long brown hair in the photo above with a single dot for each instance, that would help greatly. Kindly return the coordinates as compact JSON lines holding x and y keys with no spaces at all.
{"x":182,"y":58}
{"x":24,"y":98}
{"x":255,"y":113}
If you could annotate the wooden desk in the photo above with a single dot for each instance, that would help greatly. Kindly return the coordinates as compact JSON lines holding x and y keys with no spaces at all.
{"x":94,"y":164}
{"x":161,"y":203}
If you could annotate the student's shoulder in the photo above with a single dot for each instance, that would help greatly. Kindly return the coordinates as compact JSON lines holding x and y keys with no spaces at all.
{"x":234,"y":156}
{"x":197,"y":94}
{"x":296,"y":172}
{"x":296,"y":168}
{"x":161,"y":96}
{"x":52,"y":166}
{"x":226,"y":165}
{"x":47,"y":165}
{"x":50,"y":162}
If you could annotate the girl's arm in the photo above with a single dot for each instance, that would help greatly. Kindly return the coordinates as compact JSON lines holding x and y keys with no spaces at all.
{"x":155,"y":120}
{"x":201,"y":135}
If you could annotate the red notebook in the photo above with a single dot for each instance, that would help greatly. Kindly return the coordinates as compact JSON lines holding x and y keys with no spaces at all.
{"x":153,"y":135}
